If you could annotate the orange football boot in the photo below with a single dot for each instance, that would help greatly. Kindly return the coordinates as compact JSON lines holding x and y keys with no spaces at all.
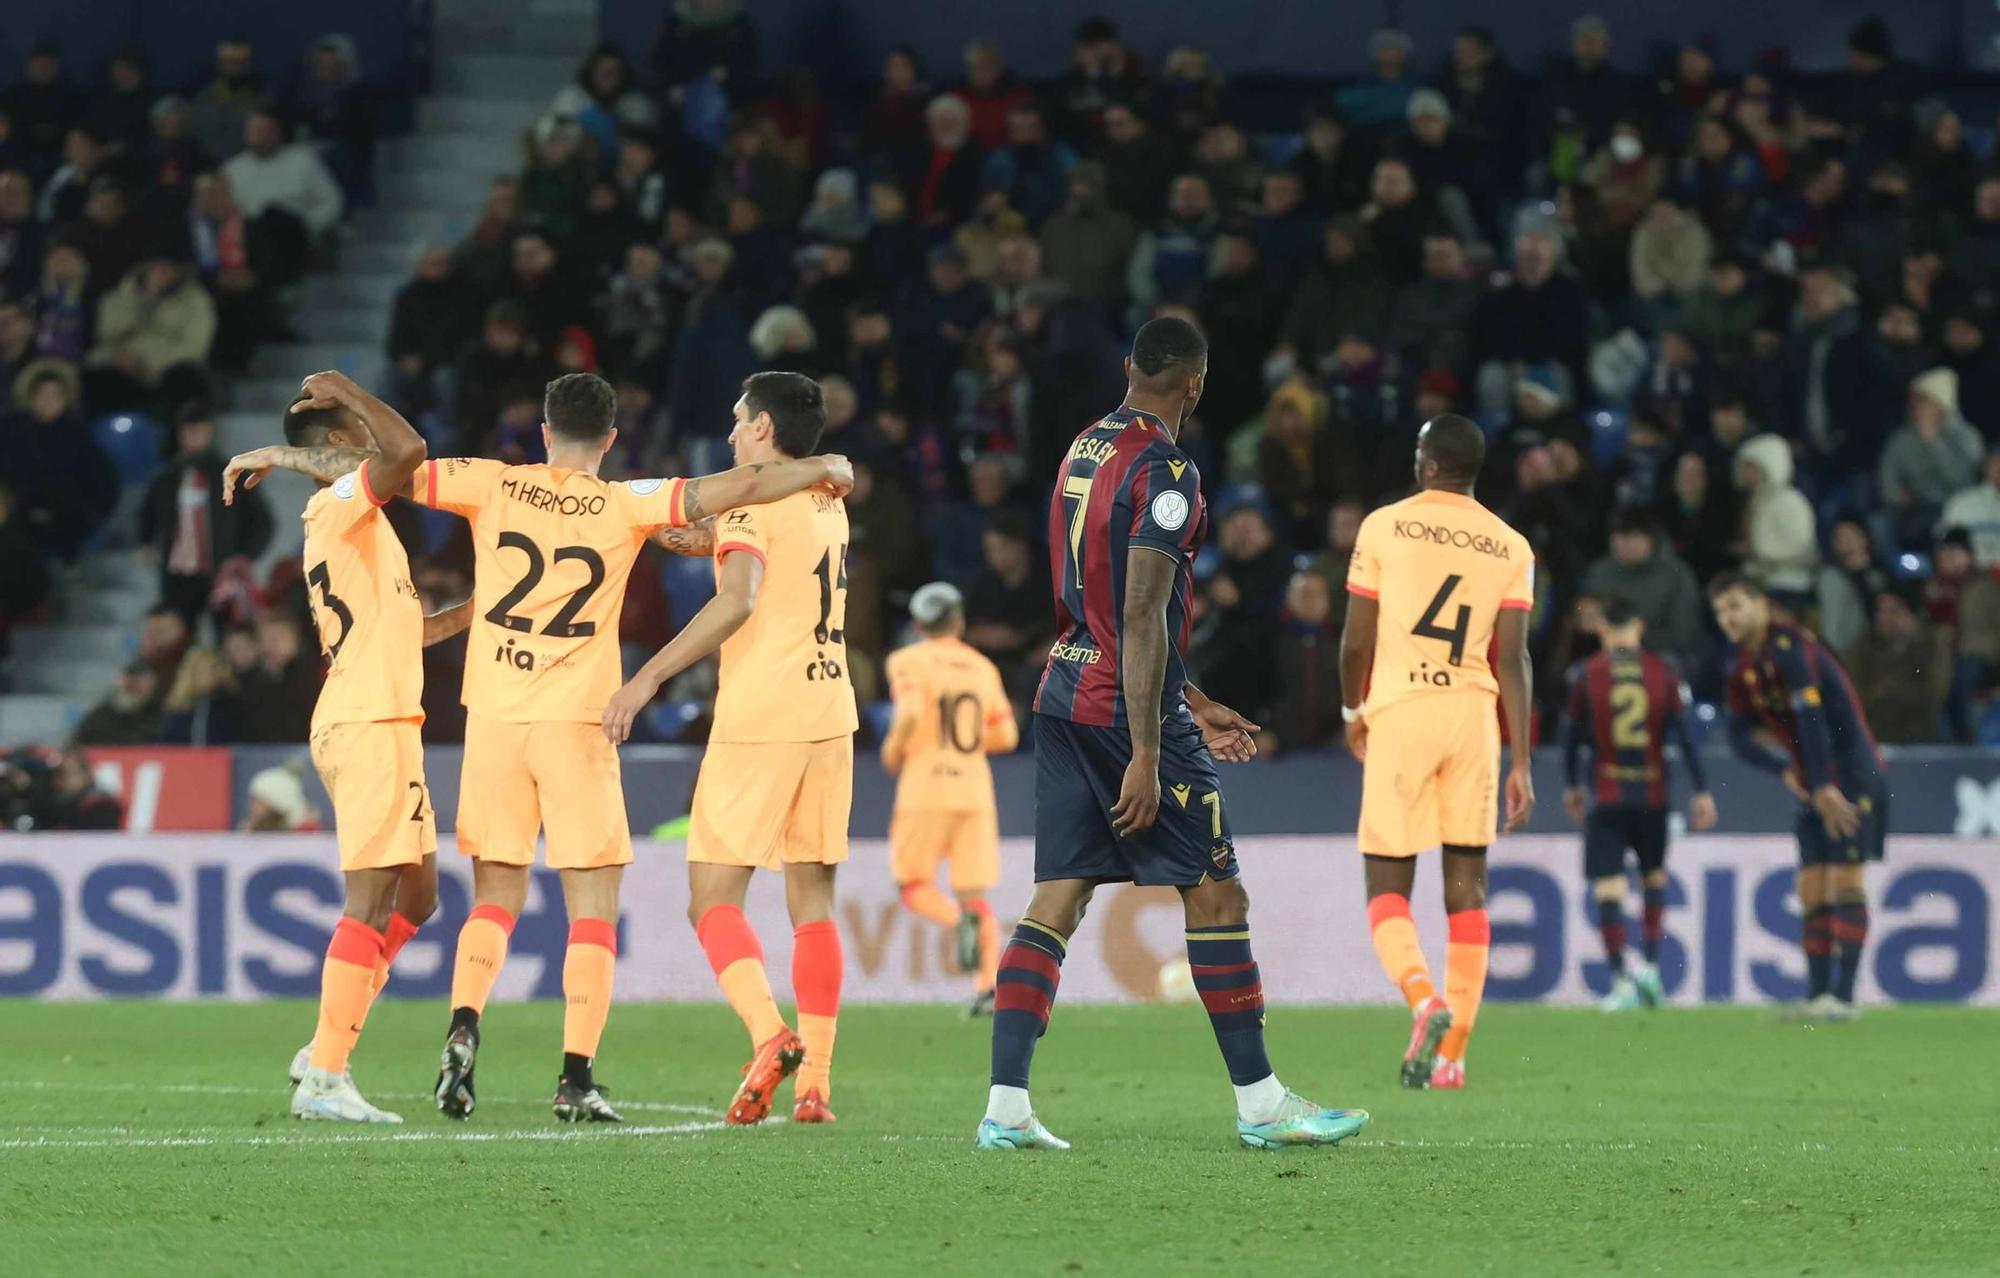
{"x":811,"y":1108}
{"x":776,"y":1060}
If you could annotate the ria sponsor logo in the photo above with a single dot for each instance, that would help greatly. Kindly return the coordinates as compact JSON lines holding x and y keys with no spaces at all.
{"x":1456,"y":538}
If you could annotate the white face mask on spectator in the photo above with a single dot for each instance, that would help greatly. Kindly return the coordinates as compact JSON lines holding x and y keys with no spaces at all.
{"x":1625,"y":148}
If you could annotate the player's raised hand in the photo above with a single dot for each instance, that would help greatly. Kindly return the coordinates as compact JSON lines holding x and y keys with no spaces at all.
{"x":1138,"y":798}
{"x":1701,"y":811}
{"x":839,"y":474}
{"x":1520,"y":798}
{"x":1841,"y":818}
{"x":624,"y":708}
{"x":327,"y":389}
{"x":250,"y":468}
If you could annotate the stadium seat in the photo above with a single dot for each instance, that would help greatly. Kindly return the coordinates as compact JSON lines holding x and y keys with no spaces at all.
{"x":1608,"y":429}
{"x":875,"y":716}
{"x":131,"y":443}
{"x":689,"y":583}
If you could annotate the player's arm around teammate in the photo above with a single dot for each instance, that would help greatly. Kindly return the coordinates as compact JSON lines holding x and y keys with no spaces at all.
{"x":739,"y":577}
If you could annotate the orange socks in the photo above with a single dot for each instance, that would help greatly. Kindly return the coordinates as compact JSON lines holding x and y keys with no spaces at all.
{"x":927,"y":900}
{"x":587,"y":973}
{"x":989,"y":946}
{"x":1471,"y":937}
{"x":738,"y":962}
{"x":1395,"y":935}
{"x":817,"y":968}
{"x":399,"y":934}
{"x":346,"y":984}
{"x":482,"y":949}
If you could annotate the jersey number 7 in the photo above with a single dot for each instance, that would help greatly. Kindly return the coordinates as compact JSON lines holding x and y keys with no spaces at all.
{"x":1077,"y":486}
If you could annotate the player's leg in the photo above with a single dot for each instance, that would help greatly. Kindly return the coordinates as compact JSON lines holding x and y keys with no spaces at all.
{"x":499,"y":890}
{"x":1847,"y":888}
{"x":1399,"y":819}
{"x":1469,"y":938}
{"x":975,"y":870}
{"x":1604,"y":868}
{"x":589,"y":966}
{"x":1816,"y":931}
{"x":346,"y":978}
{"x":1649,"y":845}
{"x":818,"y":968}
{"x":1024,"y":993}
{"x":917,"y":842}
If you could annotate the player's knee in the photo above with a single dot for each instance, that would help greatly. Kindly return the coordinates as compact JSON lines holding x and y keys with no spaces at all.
{"x":1655,"y":878}
{"x":1217,"y":904}
{"x":1611,"y":888}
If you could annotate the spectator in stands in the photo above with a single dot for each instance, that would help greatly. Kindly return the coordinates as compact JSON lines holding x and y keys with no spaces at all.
{"x":1781,"y":539}
{"x":241,"y":265}
{"x":1540,"y":316}
{"x":185,"y":527}
{"x":278,"y":804}
{"x":122,"y":113}
{"x":218,"y":113}
{"x":1902,"y":670}
{"x":1007,"y":604}
{"x":1975,"y":257}
{"x":1029,"y":166}
{"x":432,"y":320}
{"x":111,"y":238}
{"x":154,"y":332}
{"x":129,"y":713}
{"x":21,"y":235}
{"x":169,"y":158}
{"x":943,"y":175}
{"x":1969,"y":353}
{"x":989,"y":92}
{"x":17,"y":337}
{"x":1305,"y":711}
{"x":836,"y":213}
{"x":163,"y":641}
{"x":635,"y":315}
{"x":280,"y":689}
{"x":1102,"y":70}
{"x":202,"y":707}
{"x":937,"y":323}
{"x":1848,"y":586}
{"x":1585,"y":87}
{"x":1976,"y":509}
{"x":1643,"y":572}
{"x":43,"y":104}
{"x":1428,"y":318}
{"x":61,"y":482}
{"x":501,"y":363}
{"x":1826,"y":403}
{"x":1139,"y":163}
{"x":86,"y":157}
{"x":271,"y":173}
{"x":329,"y":107}
{"x":550,"y":293}
{"x":1296,"y":462}
{"x":76,"y":801}
{"x":1934,"y":455}
{"x":1170,"y":260}
{"x":1190,"y":92}
{"x":1963,"y":596}
{"x":1246,"y":595}
{"x":486,"y":254}
{"x":603,"y":99}
{"x":893,"y":121}
{"x":24,"y":579}
{"x":1724,"y":311}
{"x":1669,"y":260}
{"x":1381,"y":97}
{"x":708,"y":39}
{"x":710,"y":355}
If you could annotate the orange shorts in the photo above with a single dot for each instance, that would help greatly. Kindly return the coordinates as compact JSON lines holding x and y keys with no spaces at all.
{"x":768,"y":803}
{"x":1432,"y":775}
{"x":374,"y":773}
{"x":969,"y":840}
{"x":519,"y":779}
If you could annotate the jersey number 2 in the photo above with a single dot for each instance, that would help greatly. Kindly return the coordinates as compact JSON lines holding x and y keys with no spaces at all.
{"x":1629,"y":705}
{"x":564,"y":624}
{"x":1427,"y":626}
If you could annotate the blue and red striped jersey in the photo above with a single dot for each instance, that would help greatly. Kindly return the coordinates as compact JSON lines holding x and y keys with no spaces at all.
{"x":1123,"y":483}
{"x":1624,"y":705}
{"x":1796,"y":690}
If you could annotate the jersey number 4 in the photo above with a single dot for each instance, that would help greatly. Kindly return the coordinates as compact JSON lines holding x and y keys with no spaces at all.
{"x":564,"y":624}
{"x":1427,"y":626}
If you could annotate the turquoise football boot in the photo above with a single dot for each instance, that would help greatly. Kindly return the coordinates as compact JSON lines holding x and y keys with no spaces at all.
{"x":1301,"y":1122}
{"x":1652,"y":992}
{"x":1029,"y":1135}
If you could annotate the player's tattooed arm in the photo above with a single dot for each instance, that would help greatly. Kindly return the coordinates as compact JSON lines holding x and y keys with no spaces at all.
{"x":1149,"y":581}
{"x":763,"y":482}
{"x":325,"y":464}
{"x":399,"y":450}
{"x":697,"y":541}
{"x":446,"y":622}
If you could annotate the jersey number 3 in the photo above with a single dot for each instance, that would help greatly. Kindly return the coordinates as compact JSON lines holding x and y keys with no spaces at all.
{"x":564,"y":624}
{"x":332,"y":603}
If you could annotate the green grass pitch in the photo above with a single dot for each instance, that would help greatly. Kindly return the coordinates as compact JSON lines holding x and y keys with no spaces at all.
{"x":153,"y":1138}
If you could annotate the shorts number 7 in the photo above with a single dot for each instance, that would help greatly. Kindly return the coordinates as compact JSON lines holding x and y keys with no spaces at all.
{"x":1213,"y":802}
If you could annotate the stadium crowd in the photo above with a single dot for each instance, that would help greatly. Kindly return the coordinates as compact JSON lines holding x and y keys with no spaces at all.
{"x":1710,"y":317}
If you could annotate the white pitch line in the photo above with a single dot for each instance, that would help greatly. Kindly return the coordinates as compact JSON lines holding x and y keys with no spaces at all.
{"x":340,"y":1138}
{"x":222,"y":1089}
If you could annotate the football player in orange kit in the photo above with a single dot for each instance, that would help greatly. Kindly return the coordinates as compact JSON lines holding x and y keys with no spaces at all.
{"x":553,"y":545}
{"x":1434,"y":578}
{"x":365,"y":728}
{"x":777,"y":780}
{"x":951,"y":712}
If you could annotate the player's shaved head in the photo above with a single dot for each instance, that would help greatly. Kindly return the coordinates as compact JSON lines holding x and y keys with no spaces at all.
{"x":1166,"y":352}
{"x":1453,"y":448}
{"x":580,"y":407}
{"x":314,"y":427}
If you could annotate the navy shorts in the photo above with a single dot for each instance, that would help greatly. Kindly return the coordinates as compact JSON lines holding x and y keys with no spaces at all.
{"x":1609,"y":833}
{"x":1078,"y":769}
{"x":1817,"y":847}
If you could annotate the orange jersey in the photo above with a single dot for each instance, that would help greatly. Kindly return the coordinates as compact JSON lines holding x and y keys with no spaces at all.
{"x":784,"y":673}
{"x":1441,"y":567}
{"x":952,"y":708}
{"x":551,"y":551}
{"x":371,"y":624}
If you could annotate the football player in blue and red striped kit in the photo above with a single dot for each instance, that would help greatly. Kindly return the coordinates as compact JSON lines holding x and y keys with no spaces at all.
{"x":1787,"y":689}
{"x":1125,"y":520}
{"x":1625,"y":706}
